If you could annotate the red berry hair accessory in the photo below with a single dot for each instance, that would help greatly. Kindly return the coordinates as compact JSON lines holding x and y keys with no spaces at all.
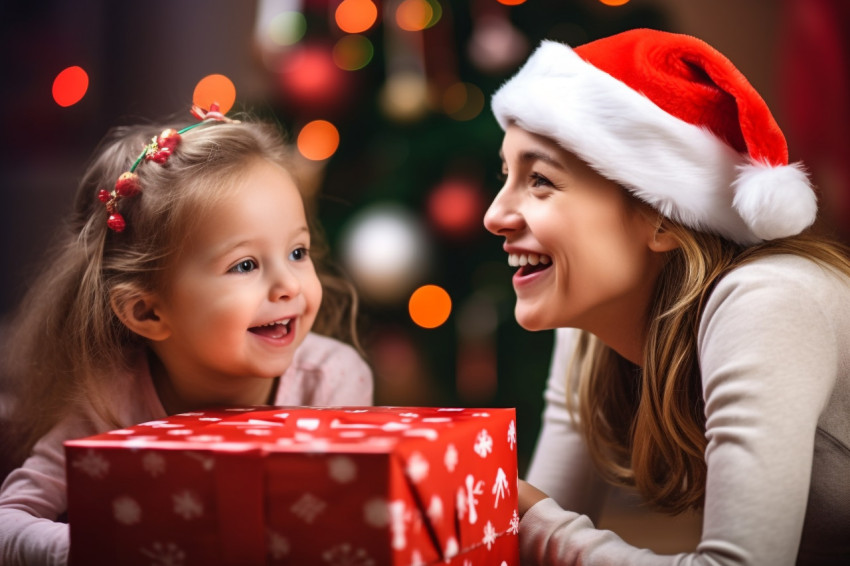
{"x":158,"y":150}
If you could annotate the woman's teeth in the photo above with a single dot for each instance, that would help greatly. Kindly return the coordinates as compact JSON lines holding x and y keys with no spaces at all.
{"x":521,"y":260}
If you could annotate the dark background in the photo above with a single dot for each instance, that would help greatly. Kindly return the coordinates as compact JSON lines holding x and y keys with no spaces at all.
{"x":144,"y":59}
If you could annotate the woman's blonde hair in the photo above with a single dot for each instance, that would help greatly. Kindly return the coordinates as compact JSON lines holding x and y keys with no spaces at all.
{"x":645,"y":427}
{"x":65,"y":343}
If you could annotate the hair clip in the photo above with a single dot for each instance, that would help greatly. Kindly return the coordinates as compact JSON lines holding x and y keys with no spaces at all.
{"x":158,"y":150}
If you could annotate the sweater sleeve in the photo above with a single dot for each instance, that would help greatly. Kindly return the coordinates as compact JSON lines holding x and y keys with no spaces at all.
{"x":326,"y":372}
{"x":33,"y":498}
{"x":768,"y":352}
{"x":561,"y":465}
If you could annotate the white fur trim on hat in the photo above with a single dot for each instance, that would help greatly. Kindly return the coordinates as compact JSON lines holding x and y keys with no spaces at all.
{"x":683,"y":170}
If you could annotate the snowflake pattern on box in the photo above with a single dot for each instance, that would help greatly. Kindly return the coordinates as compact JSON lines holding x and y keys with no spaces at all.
{"x":346,"y":555}
{"x":453,"y":495}
{"x":126,"y":510}
{"x":164,"y":554}
{"x":187,"y":505}
{"x":93,"y":464}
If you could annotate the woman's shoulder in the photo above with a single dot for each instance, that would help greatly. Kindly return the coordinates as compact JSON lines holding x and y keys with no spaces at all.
{"x":786,"y":275}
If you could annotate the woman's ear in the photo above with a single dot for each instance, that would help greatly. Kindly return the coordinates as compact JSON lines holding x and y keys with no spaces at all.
{"x":140,"y":312}
{"x":662,"y":239}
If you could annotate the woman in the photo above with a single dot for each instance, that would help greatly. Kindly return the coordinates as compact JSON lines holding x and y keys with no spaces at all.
{"x":654,"y":217}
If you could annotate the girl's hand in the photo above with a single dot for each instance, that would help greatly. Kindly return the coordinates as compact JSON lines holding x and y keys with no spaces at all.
{"x":528,"y":495}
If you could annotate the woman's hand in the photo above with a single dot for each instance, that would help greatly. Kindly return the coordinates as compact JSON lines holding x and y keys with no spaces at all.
{"x":528,"y":495}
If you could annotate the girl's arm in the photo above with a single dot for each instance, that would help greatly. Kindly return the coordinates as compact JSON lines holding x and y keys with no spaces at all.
{"x":561,"y":465}
{"x":32,"y":499}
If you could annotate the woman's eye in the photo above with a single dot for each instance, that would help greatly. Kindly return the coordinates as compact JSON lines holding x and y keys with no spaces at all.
{"x":538,"y":180}
{"x":244,"y":266}
{"x":299,"y":254}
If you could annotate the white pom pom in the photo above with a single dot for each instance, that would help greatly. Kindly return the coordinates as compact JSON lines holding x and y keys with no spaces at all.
{"x":774,"y":202}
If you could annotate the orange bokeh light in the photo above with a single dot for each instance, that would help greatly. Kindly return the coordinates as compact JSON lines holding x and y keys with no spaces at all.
{"x":414,"y":15}
{"x":70,"y":86}
{"x":215,"y":88}
{"x":356,"y":16}
{"x":614,"y":2}
{"x":511,"y":2}
{"x":318,"y":140}
{"x":430,"y":306}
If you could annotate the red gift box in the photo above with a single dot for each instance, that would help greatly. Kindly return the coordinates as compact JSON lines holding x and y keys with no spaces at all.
{"x":291,"y":485}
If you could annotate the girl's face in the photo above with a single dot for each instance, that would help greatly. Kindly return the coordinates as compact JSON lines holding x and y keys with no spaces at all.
{"x":242,"y":294}
{"x":585,"y":251}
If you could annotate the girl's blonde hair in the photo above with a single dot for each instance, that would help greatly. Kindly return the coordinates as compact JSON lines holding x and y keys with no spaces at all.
{"x":645,"y":427}
{"x":66,"y":343}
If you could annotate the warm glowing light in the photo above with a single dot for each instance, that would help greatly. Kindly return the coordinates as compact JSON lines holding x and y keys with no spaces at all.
{"x":414,"y":15}
{"x":404,"y":97}
{"x":353,"y":52}
{"x":512,"y":2}
{"x":287,"y":28}
{"x":309,"y":77}
{"x":318,"y":140}
{"x":456,"y":207}
{"x":215,"y":88}
{"x":463,"y":101}
{"x":610,"y":2}
{"x":430,"y":306}
{"x":356,"y":16}
{"x":386,"y":251}
{"x":70,"y":86}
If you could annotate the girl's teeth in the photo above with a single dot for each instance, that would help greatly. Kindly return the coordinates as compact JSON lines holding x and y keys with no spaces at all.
{"x":519,"y":260}
{"x":283,"y":322}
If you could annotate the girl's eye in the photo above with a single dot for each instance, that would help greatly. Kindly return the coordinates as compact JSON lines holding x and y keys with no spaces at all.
{"x":244,"y":266}
{"x":299,"y":254}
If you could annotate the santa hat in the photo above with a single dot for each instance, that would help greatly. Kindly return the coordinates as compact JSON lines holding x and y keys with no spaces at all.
{"x":672,"y":120}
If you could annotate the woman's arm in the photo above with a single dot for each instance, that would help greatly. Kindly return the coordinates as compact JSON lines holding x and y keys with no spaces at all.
{"x":561,"y":465}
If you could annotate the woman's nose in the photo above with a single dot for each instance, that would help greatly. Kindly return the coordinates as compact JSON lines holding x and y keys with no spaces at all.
{"x":502,"y":216}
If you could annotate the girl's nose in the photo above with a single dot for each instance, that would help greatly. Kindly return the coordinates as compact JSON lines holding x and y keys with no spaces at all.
{"x":285,"y":284}
{"x":502,"y":216}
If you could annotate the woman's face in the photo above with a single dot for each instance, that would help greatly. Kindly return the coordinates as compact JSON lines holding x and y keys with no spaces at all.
{"x":586,"y":253}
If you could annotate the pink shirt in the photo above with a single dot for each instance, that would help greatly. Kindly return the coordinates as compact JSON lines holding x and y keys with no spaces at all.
{"x":324,"y":372}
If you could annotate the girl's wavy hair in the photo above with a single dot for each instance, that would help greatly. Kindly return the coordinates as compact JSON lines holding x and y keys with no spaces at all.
{"x":645,"y":427}
{"x":65,"y":343}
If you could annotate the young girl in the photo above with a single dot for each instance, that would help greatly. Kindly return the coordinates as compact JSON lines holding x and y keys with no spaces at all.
{"x":184,"y":279}
{"x":704,"y":350}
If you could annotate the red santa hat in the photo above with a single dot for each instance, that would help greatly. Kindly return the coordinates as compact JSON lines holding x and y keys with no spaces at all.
{"x":672,"y":120}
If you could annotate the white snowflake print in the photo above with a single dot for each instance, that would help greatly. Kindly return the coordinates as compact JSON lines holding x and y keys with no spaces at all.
{"x":375,"y":513}
{"x":92,"y":464}
{"x":126,"y":511}
{"x":187,"y":505}
{"x":514,"y":528}
{"x":512,"y":434}
{"x":278,"y":545}
{"x":153,"y":464}
{"x":452,"y":548}
{"x":467,"y":563}
{"x":483,"y":443}
{"x":308,"y":507}
{"x":489,"y":535}
{"x":417,"y":467}
{"x":416,"y":559}
{"x":345,"y":555}
{"x":466,"y":500}
{"x":342,"y":469}
{"x":168,"y":554}
{"x":399,"y":517}
{"x":450,"y":459}
{"x":435,"y":509}
{"x":501,"y":489}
